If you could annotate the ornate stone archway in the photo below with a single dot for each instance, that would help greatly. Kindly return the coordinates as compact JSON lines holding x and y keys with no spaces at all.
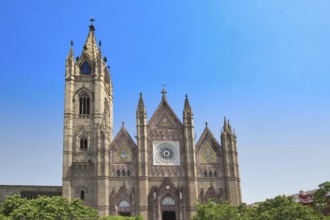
{"x":122,"y":201}
{"x":166,"y":198}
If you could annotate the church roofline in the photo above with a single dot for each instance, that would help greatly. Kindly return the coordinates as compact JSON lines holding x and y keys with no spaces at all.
{"x":124,"y":132}
{"x":163,"y":102}
{"x":207,"y":133}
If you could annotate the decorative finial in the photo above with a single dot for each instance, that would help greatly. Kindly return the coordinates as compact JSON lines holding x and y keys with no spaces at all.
{"x":105,"y":59}
{"x":91,"y":27}
{"x":205,"y":124}
{"x":123,"y":124}
{"x":100,"y":43}
{"x":163,"y":91}
{"x":71,"y":43}
{"x":92,"y":20}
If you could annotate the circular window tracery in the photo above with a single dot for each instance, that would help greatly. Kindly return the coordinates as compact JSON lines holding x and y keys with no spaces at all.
{"x":165,"y":153}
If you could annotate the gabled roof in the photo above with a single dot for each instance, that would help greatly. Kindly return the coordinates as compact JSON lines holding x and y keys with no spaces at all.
{"x":207,"y":135}
{"x":123,"y":134}
{"x":164,"y":106}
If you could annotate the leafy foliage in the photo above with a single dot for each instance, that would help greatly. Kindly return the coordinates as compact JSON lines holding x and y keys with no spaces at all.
{"x":321,"y":201}
{"x":278,"y":208}
{"x":282,"y":207}
{"x":47,"y":208}
{"x":214,"y":211}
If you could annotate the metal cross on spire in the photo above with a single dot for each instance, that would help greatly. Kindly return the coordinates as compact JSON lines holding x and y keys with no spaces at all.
{"x":163,"y":91}
{"x":92,"y":20}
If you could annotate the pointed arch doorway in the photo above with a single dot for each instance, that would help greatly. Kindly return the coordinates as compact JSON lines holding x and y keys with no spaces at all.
{"x":168,"y":215}
{"x":168,"y":208}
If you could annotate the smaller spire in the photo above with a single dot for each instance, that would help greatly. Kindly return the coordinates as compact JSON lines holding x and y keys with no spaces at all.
{"x":186,"y":103}
{"x":141,"y":103}
{"x":163,"y":91}
{"x":141,"y":111}
{"x":71,"y":50}
{"x":229,"y":128}
{"x":225,"y":125}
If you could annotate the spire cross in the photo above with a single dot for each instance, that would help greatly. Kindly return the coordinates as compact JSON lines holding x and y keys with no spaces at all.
{"x":163,"y":91}
{"x":92,"y":20}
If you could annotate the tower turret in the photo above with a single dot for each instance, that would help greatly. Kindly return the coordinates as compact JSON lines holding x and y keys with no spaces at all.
{"x":142,"y":159}
{"x":88,"y":119}
{"x":231,"y":169}
{"x":190,"y":157}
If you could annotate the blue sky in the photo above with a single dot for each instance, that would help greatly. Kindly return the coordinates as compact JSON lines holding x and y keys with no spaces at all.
{"x":263,"y":64}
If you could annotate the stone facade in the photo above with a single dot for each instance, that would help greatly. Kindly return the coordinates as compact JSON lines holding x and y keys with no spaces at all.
{"x":160,"y":176}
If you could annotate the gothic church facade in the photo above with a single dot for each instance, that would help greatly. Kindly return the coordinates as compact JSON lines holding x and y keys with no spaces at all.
{"x":162,"y":174}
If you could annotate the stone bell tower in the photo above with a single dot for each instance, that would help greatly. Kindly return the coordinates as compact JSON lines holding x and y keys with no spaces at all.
{"x":88,"y":125}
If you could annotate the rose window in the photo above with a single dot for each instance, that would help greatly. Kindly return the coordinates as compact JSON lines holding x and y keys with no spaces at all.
{"x":165,"y":153}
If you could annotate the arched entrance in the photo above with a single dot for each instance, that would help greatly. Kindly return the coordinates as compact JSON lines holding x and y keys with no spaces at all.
{"x":124,"y":208}
{"x":168,"y":215}
{"x":168,"y":209}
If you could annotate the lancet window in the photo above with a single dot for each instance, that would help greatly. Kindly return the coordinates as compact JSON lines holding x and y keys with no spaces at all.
{"x":84,"y":104}
{"x":83,"y":144}
{"x":82,"y":194}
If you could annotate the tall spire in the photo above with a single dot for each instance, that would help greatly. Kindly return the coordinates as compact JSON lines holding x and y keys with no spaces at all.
{"x":141,"y":111}
{"x":186,"y":103}
{"x":225,"y":125}
{"x":141,"y":103}
{"x":71,"y":54}
{"x":188,"y":117}
{"x":90,"y":46}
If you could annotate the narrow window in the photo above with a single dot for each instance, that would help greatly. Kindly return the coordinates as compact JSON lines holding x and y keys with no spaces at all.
{"x":82,"y":194}
{"x":128,"y":173}
{"x":205,"y":173}
{"x":84,"y":106}
{"x":80,"y":105}
{"x":85,"y":144}
{"x":215,"y":174}
{"x":210,"y":173}
{"x":118,"y":173}
{"x":123,"y":172}
{"x":87,"y":103}
{"x":81,"y":144}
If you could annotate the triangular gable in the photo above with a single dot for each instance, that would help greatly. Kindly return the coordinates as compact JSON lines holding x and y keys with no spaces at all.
{"x":207,"y":148}
{"x":167,"y":186}
{"x":210,"y":194}
{"x":123,"y":147}
{"x":164,"y":112}
{"x":208,"y":137}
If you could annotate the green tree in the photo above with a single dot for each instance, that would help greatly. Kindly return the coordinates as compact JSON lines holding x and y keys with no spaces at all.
{"x":216,"y":211}
{"x":279,"y":208}
{"x":321,"y":201}
{"x":47,"y":208}
{"x":11,"y":203}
